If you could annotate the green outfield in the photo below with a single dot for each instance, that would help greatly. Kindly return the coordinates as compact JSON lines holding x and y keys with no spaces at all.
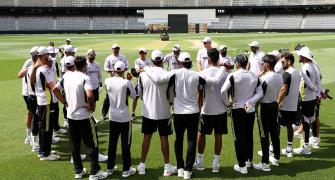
{"x":18,"y":162}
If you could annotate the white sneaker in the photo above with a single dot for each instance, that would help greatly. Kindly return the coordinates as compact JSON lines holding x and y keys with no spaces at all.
{"x":141,"y":169}
{"x":169,"y":170}
{"x":111,"y":171}
{"x":82,"y":156}
{"x":81,"y":174}
{"x":262,"y":167}
{"x":181,"y":172}
{"x":187,"y":174}
{"x":27,"y":140}
{"x":198,"y":166}
{"x":287,"y":153}
{"x":314,"y":142}
{"x":102,"y":158}
{"x":128,"y":173}
{"x":55,"y":140}
{"x":51,"y":157}
{"x":65,"y":124}
{"x":302,"y":150}
{"x":35,"y":148}
{"x":215,"y":167}
{"x":99,"y":175}
{"x":274,"y":161}
{"x":242,"y":170}
{"x":248,"y":164}
{"x":60,"y":132}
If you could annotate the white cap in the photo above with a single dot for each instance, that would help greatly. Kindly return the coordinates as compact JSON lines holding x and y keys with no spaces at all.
{"x":176,"y":47}
{"x":33,"y":49}
{"x":52,"y":49}
{"x":70,"y":48}
{"x":42,"y":50}
{"x":254,"y":44}
{"x":143,"y":50}
{"x":119,"y":66}
{"x":184,"y":57}
{"x":157,"y":55}
{"x":90,"y":50}
{"x":305,"y":52}
{"x":68,"y":39}
{"x":275,"y":53}
{"x":69,"y":61}
{"x":115,"y":46}
{"x":222,"y":47}
{"x":207,"y":40}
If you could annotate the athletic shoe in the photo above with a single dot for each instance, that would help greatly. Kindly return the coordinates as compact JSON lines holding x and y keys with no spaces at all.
{"x":198,"y":166}
{"x":169,"y":170}
{"x":102,"y":158}
{"x":35,"y":148}
{"x":51,"y":157}
{"x":60,"y":132}
{"x":262,"y":167}
{"x":65,"y":124}
{"x":181,"y":172}
{"x":99,"y":175}
{"x":242,"y":170}
{"x":81,"y":174}
{"x":141,"y":169}
{"x":133,"y":117}
{"x":187,"y":174}
{"x":111,"y":171}
{"x":287,"y":153}
{"x":248,"y":164}
{"x":82,"y":156}
{"x":55,"y":140}
{"x":27,"y":140}
{"x":314,"y":142}
{"x":303,"y":150}
{"x":128,"y":173}
{"x":215,"y":167}
{"x":274,"y":161}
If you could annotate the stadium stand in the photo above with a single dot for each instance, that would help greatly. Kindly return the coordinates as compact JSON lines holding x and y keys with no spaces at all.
{"x":7,"y":23}
{"x":318,"y":21}
{"x":284,"y":21}
{"x":108,"y":22}
{"x":72,"y":23}
{"x":134,"y":24}
{"x":247,"y":22}
{"x":223,"y":22}
{"x":31,"y":23}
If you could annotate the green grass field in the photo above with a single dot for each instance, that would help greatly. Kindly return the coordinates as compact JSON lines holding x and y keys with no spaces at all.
{"x":18,"y":162}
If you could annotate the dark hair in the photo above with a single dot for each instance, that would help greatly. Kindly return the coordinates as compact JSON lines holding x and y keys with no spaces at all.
{"x":271,"y":60}
{"x":157,"y":63}
{"x":242,"y":59}
{"x":213,"y":54}
{"x":80,"y":62}
{"x":288,"y":56}
{"x":187,"y":65}
{"x":51,"y":43}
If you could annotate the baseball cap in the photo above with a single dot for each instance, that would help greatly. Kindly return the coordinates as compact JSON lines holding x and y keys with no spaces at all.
{"x":184,"y":57}
{"x":70,"y":48}
{"x":90,"y":50}
{"x":42,"y":50}
{"x":143,"y":50}
{"x":176,"y":47}
{"x":119,"y":66}
{"x":222,"y":47}
{"x":52,"y":49}
{"x":157,"y":55}
{"x":207,"y":40}
{"x":241,"y":58}
{"x":254,"y":44}
{"x":68,"y":39}
{"x":69,"y":61}
{"x":275,"y":53}
{"x":33,"y":49}
{"x":115,"y":46}
{"x":305,"y":52}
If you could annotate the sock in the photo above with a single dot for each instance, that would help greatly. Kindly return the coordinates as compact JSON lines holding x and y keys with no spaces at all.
{"x":142,"y":164}
{"x":168,"y":164}
{"x":28,"y":132}
{"x":306,"y":145}
{"x":216,"y":158}
{"x":289,"y":146}
{"x":200,"y":158}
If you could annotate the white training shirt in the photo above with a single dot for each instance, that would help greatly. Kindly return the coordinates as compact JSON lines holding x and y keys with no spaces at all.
{"x":53,"y":76}
{"x":172,"y":62}
{"x":118,"y":90}
{"x":75,"y":85}
{"x":271,"y":85}
{"x":155,"y":104}
{"x":256,"y":62}
{"x":31,"y":88}
{"x":309,"y":81}
{"x":140,"y":64}
{"x":291,"y":77}
{"x":94,"y":72}
{"x":111,"y":60}
{"x":43,"y":77}
{"x":202,"y":57}
{"x":26,"y":65}
{"x":214,"y":102}
{"x":226,"y":59}
{"x":246,"y":88}
{"x":63,"y":65}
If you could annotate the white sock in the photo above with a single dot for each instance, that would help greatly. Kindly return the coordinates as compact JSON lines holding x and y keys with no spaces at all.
{"x":28,"y":132}
{"x":142,"y":164}
{"x":216,"y":158}
{"x":200,"y":158}
{"x":289,"y":146}
{"x":168,"y":164}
